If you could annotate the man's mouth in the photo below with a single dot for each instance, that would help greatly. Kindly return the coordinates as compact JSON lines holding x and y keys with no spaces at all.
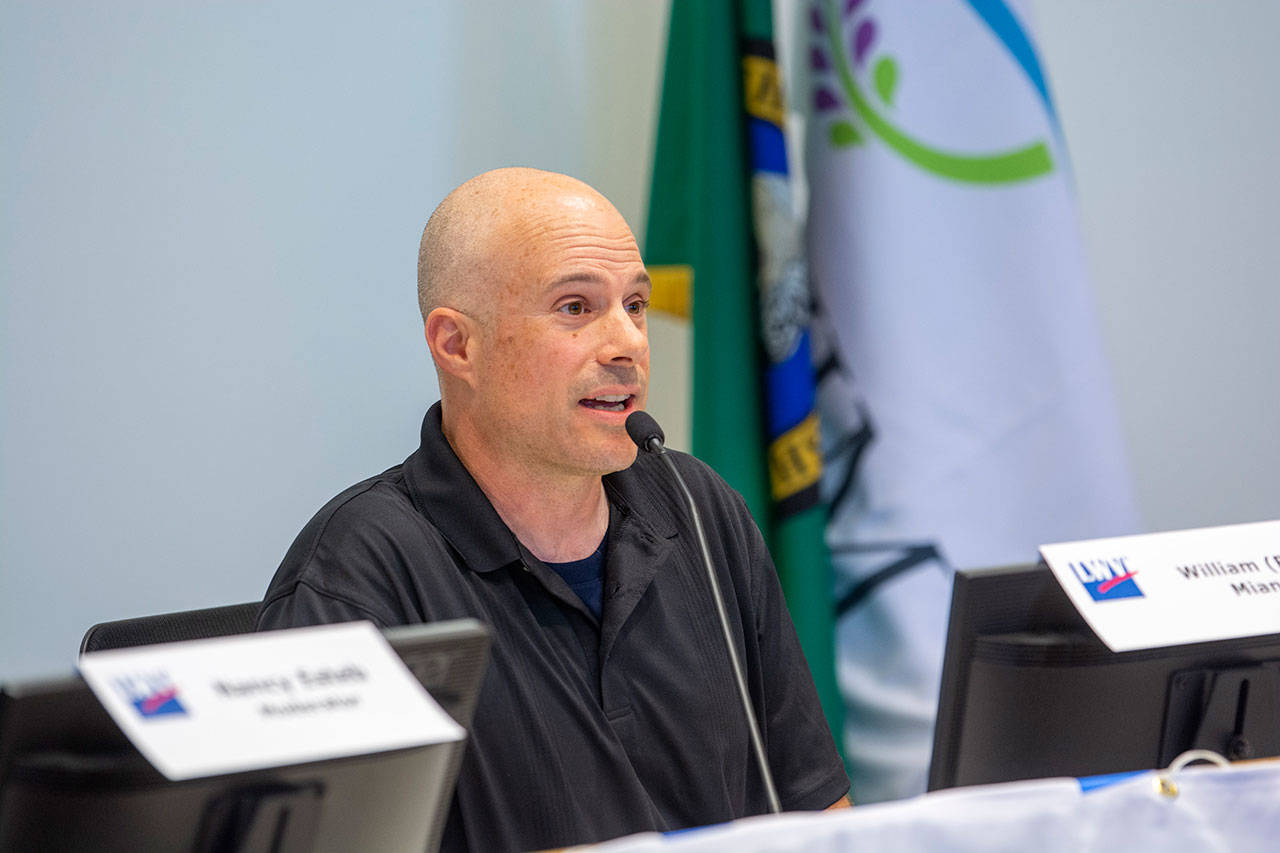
{"x":607,"y":402}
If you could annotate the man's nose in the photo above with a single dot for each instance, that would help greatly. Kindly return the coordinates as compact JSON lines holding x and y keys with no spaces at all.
{"x":625,"y":338}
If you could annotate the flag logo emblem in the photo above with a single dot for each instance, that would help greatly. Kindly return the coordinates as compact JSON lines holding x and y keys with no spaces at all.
{"x":1107,"y":579}
{"x":1122,"y":586}
{"x":151,"y":694}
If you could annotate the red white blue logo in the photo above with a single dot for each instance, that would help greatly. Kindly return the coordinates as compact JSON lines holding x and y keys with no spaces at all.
{"x":151,"y":694}
{"x":1107,"y":579}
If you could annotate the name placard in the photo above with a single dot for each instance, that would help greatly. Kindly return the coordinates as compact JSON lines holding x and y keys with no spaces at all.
{"x":1165,"y":589}
{"x":240,"y":703}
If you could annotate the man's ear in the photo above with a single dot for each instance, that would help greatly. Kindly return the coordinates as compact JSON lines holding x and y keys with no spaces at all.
{"x":451,"y":336}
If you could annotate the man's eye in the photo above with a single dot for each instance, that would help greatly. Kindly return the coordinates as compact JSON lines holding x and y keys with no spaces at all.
{"x":573,"y":308}
{"x":638,"y":307}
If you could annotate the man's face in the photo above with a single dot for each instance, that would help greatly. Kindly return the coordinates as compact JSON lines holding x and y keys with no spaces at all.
{"x":564,"y":355}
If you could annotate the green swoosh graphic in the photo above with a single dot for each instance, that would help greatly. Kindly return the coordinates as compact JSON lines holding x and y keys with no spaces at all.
{"x":1020,"y":164}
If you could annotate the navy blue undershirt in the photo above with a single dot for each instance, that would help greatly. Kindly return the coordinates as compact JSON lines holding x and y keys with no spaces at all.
{"x":585,"y":577}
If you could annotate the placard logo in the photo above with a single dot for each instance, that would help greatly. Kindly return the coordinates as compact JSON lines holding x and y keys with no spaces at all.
{"x":1107,"y":579}
{"x":151,"y":694}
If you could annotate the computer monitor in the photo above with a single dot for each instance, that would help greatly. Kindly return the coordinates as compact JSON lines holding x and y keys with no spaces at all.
{"x":70,"y":780}
{"x":1029,"y":691}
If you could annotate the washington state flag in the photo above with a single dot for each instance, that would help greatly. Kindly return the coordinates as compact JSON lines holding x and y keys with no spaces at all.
{"x":724,"y":246}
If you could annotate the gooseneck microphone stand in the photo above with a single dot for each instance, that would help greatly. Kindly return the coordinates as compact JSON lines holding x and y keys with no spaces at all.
{"x":648,"y":436}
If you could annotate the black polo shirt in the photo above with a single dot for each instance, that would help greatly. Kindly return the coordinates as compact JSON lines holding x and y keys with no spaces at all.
{"x":585,"y":729}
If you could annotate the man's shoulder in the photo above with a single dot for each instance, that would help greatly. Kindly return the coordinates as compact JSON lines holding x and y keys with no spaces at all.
{"x":373,"y":496}
{"x":354,"y":532}
{"x":377,"y":500}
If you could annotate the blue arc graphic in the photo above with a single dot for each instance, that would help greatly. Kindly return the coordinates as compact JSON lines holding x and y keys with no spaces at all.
{"x":997,"y":15}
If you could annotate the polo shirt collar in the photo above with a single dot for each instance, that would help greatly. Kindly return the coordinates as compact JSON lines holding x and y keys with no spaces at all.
{"x":445,"y":492}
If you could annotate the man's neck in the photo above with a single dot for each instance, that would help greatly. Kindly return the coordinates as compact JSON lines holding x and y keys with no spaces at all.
{"x":558,"y":516}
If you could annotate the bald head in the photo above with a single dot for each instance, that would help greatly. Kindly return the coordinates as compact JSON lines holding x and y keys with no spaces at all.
{"x":469,"y":240}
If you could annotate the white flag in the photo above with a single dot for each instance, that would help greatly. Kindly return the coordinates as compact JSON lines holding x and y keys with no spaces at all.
{"x":968,"y":415}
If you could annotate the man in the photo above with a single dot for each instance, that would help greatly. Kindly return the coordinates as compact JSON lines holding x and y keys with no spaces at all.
{"x":609,"y":706}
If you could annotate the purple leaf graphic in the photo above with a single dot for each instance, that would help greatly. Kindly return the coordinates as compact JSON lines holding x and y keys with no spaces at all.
{"x":818,"y":59}
{"x":823,"y":100}
{"x":862,"y":40}
{"x":815,"y":19}
{"x":850,"y":5}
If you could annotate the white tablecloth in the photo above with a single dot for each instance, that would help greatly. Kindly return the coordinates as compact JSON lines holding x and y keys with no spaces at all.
{"x":1235,"y":809}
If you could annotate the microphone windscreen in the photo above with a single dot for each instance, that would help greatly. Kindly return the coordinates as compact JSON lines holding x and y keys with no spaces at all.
{"x":642,"y":428}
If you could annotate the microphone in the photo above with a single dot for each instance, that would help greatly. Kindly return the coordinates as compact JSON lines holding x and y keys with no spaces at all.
{"x":648,"y":436}
{"x":645,"y":432}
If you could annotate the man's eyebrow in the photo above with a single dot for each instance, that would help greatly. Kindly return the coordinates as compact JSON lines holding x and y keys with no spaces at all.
{"x":580,"y":277}
{"x":591,"y":277}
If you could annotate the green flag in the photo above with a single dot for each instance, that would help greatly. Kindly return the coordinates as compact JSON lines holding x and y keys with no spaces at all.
{"x":725,"y":249}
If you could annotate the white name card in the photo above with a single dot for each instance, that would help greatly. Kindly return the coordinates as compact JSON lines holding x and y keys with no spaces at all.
{"x":264,"y":700}
{"x":1165,"y":589}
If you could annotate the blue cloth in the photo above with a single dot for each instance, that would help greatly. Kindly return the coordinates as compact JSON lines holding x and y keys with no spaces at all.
{"x":585,"y":577}
{"x":1093,"y":783}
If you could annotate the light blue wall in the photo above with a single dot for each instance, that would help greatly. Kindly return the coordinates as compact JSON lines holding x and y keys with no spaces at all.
{"x":1172,"y":113}
{"x":208,"y":234}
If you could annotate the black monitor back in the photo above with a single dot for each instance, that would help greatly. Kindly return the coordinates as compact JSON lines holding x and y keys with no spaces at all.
{"x":70,"y":780}
{"x":1029,"y":691}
